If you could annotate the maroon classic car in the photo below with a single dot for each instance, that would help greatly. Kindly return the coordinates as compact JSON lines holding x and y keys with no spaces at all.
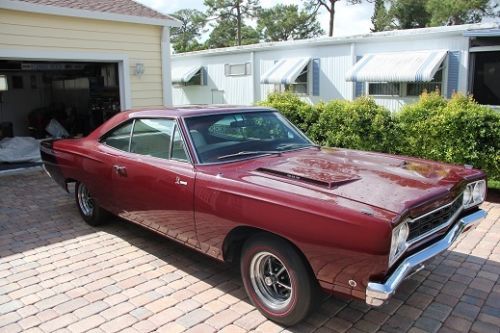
{"x":242,"y":184}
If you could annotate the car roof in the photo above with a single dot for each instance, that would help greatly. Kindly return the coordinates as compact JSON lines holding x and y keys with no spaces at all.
{"x":171,"y":112}
{"x":192,"y":110}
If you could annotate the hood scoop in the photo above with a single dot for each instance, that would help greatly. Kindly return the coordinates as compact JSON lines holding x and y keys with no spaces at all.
{"x":318,"y":177}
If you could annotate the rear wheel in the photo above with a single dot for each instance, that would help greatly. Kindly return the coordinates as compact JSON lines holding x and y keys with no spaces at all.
{"x":277,"y":279}
{"x":87,"y":206}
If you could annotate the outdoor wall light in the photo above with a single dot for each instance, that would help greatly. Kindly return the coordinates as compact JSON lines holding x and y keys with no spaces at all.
{"x":139,"y":69}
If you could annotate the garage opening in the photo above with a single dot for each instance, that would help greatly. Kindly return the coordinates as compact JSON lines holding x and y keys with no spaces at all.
{"x":41,"y":99}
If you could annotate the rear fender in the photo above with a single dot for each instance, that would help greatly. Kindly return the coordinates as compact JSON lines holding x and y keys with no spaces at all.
{"x":51,"y":164}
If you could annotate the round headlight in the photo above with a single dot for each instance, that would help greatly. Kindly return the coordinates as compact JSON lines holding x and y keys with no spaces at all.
{"x":479,"y":192}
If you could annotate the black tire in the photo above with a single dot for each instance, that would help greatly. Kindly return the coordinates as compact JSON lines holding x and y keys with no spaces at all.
{"x":93,"y":215}
{"x":265,"y":292}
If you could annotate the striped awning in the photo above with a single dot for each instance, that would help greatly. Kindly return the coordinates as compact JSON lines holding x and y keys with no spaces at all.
{"x":184,"y":74}
{"x":418,"y":66}
{"x":285,"y":71}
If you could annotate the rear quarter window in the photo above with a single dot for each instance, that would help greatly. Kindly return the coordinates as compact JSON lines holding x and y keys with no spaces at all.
{"x":119,"y":138}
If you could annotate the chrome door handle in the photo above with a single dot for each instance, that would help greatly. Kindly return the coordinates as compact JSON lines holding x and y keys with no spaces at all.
{"x":178,"y":181}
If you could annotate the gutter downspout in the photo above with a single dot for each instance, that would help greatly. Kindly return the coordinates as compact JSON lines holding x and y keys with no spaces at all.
{"x":166,"y":69}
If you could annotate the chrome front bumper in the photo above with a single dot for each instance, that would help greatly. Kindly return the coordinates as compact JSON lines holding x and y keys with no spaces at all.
{"x":378,"y":293}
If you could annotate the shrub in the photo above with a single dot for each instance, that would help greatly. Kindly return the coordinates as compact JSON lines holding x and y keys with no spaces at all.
{"x":415,"y":134}
{"x":300,"y":113}
{"x":360,"y":124}
{"x":455,"y":131}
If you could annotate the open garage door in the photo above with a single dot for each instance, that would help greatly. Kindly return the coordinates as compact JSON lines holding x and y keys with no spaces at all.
{"x":78,"y":96}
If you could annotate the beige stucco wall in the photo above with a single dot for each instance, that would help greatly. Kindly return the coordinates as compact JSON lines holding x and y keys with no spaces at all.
{"x":141,"y":43}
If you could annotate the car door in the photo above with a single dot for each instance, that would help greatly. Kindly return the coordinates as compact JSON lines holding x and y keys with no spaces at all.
{"x":153,"y":183}
{"x":99,"y":164}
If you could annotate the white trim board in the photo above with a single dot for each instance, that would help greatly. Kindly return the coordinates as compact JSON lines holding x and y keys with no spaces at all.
{"x":82,"y":13}
{"x":166,"y":67}
{"x":121,"y":59}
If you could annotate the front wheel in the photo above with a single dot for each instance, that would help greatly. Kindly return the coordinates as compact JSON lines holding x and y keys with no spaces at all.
{"x":87,"y":206}
{"x":277,"y":279}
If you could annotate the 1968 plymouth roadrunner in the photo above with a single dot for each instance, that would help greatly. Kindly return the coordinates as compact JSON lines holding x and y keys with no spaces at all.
{"x":243,"y":184}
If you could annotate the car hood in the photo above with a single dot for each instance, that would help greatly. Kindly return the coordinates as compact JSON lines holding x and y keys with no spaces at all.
{"x":389,"y":182}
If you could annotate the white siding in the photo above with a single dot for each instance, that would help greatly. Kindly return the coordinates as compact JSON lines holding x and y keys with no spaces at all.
{"x":335,"y":61}
{"x":219,"y":88}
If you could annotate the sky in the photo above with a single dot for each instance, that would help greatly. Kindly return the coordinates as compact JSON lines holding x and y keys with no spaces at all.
{"x":349,"y":19}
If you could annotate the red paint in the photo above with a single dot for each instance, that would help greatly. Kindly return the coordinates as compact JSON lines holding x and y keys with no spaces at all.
{"x":337,"y":206}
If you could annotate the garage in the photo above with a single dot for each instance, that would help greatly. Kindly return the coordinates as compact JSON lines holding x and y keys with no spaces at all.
{"x":67,"y":66}
{"x":79,"y":96}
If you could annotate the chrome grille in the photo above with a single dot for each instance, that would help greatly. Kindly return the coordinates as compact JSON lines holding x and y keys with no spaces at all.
{"x":435,"y":220}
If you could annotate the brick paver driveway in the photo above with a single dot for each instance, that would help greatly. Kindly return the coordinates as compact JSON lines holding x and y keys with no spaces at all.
{"x":57,"y":273}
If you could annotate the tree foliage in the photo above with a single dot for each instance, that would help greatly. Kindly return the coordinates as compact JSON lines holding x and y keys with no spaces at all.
{"x":453,"y":12}
{"x":234,"y":11}
{"x":284,"y":22}
{"x":225,"y":33}
{"x":184,"y":38}
{"x":410,"y":14}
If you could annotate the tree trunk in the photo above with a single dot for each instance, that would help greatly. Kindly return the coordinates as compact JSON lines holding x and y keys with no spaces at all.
{"x":238,"y":17}
{"x":332,"y":17}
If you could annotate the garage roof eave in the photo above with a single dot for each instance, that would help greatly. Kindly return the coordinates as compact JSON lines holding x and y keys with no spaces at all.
{"x":89,"y":14}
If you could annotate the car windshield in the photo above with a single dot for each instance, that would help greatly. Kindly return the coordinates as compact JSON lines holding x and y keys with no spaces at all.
{"x":240,"y":135}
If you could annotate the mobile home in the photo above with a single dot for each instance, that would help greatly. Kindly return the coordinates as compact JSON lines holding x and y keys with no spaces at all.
{"x":393,"y":67}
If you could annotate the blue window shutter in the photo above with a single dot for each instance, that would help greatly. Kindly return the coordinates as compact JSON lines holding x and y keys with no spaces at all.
{"x":453,"y":69}
{"x":204,"y":76}
{"x":315,"y":76}
{"x":360,"y":86}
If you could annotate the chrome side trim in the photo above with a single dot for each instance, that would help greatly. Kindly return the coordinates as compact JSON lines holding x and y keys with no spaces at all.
{"x":377,"y":293}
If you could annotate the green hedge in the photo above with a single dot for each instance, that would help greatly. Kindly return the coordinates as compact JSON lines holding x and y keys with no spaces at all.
{"x":455,"y":131}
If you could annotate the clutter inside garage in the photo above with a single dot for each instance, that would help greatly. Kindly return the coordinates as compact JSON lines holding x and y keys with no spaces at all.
{"x":41,"y":100}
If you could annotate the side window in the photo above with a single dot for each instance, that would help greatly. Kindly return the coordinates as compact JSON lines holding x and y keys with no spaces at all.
{"x":119,"y":138}
{"x":152,"y":137}
{"x":178,"y":151}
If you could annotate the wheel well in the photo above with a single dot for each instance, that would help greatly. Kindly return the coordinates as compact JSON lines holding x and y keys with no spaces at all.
{"x":233,"y":243}
{"x":67,"y":181}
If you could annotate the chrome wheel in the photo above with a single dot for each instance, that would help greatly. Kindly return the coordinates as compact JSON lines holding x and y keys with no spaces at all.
{"x":85,"y":201}
{"x":271,"y":280}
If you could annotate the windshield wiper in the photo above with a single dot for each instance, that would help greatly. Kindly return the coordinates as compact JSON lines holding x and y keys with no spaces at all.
{"x":293,"y":146}
{"x":254,"y":152}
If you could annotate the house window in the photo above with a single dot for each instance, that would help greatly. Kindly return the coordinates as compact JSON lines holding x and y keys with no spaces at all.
{"x":196,"y":80}
{"x":301,"y":83}
{"x":384,"y":89}
{"x":237,"y":69}
{"x":411,"y":89}
{"x":417,"y":88}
